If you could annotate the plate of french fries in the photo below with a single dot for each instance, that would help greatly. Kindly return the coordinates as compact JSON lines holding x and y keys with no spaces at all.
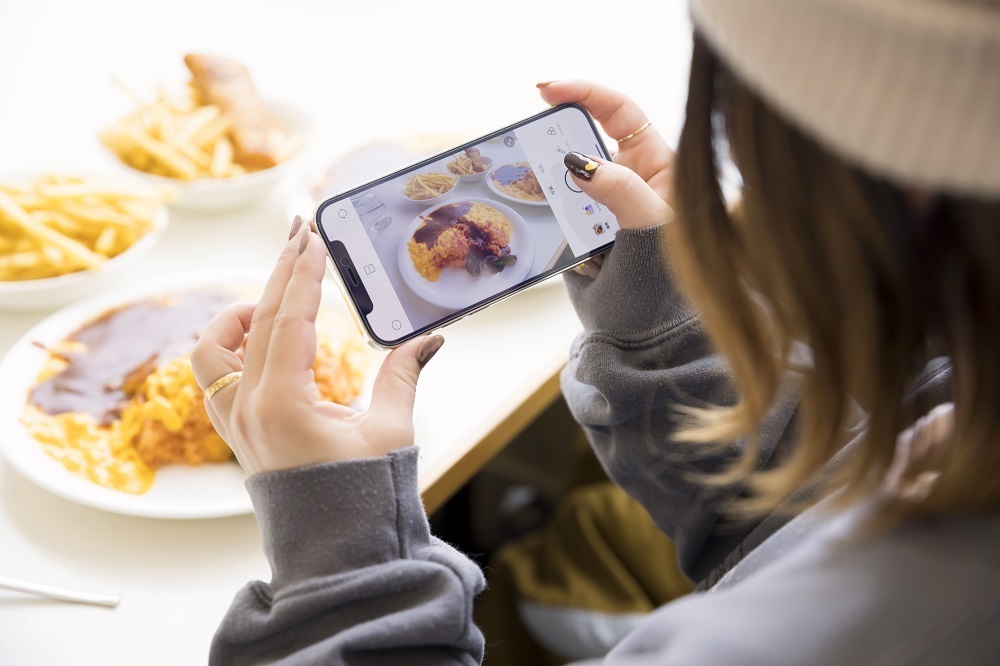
{"x":63,"y":236}
{"x":214,"y":139}
{"x":429,"y":188}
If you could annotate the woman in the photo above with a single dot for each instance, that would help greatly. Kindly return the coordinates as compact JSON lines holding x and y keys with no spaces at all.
{"x":832,"y":480}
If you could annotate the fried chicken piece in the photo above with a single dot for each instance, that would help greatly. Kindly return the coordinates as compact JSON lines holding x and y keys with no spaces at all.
{"x":226,"y":83}
{"x":479,"y":165}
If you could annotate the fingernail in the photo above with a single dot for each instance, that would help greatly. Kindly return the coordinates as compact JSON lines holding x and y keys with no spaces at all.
{"x":429,"y":348}
{"x":312,"y":227}
{"x":543,"y":84}
{"x":580,"y":165}
{"x":304,"y":243}
{"x":296,"y":223}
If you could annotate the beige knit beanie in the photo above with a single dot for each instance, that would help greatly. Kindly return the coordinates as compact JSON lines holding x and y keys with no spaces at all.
{"x":908,"y":89}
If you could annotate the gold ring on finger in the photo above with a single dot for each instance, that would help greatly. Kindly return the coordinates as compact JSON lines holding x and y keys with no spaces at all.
{"x":222,"y":382}
{"x":635,"y":133}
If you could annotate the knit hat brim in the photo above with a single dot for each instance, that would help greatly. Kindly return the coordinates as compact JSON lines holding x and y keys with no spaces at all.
{"x":907,"y":89}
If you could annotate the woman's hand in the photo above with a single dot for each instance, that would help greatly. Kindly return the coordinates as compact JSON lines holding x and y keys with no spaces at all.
{"x":273,"y":417}
{"x":637,"y":186}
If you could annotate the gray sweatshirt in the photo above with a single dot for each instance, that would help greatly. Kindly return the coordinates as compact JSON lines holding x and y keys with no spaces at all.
{"x":357,"y":578}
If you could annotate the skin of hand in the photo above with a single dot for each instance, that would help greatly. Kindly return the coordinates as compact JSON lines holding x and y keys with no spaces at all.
{"x":273,"y":417}
{"x":637,"y":186}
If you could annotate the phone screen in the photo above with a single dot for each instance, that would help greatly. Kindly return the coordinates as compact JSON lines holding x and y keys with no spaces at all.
{"x":435,"y":241}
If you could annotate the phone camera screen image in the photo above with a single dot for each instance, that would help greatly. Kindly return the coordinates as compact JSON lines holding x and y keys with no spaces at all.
{"x":437,"y":240}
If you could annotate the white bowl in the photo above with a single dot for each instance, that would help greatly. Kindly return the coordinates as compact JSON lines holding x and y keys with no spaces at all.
{"x":475,"y":177}
{"x":439,"y":198}
{"x":53,"y":292}
{"x":217,"y":194}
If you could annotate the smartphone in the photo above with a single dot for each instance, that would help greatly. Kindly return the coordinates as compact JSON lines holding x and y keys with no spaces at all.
{"x":427,"y":245}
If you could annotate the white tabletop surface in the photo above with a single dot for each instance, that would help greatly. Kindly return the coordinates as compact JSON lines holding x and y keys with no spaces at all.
{"x":363,"y":74}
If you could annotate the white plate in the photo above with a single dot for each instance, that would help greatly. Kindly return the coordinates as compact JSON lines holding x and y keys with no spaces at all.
{"x":178,"y":492}
{"x":456,"y":288}
{"x":503,"y":195}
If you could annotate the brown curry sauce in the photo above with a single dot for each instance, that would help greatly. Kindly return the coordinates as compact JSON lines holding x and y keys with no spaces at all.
{"x":120,"y":344}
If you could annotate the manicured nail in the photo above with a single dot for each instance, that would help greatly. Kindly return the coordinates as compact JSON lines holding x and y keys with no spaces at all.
{"x":304,"y":243}
{"x":296,"y":223}
{"x":581,"y":165}
{"x":543,"y":84}
{"x":429,"y":348}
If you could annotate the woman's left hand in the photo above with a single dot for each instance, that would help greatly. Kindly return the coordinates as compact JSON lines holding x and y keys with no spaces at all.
{"x":273,"y":417}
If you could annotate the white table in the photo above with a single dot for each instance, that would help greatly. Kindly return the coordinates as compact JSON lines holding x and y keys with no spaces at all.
{"x":355,"y":69}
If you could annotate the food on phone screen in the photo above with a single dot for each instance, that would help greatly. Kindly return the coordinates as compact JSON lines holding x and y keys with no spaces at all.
{"x":463,"y":234}
{"x":217,"y":128}
{"x":420,"y":187}
{"x":52,"y":225}
{"x":118,"y":399}
{"x":517,"y":180}
{"x":469,"y":163}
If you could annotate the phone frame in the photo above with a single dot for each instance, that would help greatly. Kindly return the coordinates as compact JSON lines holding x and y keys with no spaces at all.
{"x":370,"y":337}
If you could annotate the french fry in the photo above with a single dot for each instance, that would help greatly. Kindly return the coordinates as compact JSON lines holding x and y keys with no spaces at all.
{"x":136,"y":97}
{"x":66,"y":225}
{"x":196,"y":121}
{"x":461,"y":165}
{"x":43,"y":234}
{"x":427,"y":186}
{"x":195,"y":154}
{"x":212,"y":131}
{"x":167,"y":155}
{"x":106,"y":241}
{"x":61,"y":224}
{"x":107,"y":191}
{"x":28,"y":200}
{"x":18,"y":261}
{"x":100,"y":216}
{"x":222,"y":158}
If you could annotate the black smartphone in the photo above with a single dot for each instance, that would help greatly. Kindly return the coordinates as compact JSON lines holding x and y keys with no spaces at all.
{"x":432,"y":243}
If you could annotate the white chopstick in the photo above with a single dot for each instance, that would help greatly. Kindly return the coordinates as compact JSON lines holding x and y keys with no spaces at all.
{"x":58,"y":593}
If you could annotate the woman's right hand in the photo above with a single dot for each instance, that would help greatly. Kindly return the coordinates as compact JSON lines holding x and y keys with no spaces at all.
{"x":637,"y":187}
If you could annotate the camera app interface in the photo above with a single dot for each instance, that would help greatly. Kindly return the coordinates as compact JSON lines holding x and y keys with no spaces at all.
{"x":471,"y":225}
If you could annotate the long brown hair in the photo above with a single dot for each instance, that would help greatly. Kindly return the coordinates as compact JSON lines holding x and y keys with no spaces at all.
{"x":821,"y":253}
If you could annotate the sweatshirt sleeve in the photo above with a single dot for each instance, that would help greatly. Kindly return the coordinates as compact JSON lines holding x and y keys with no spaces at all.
{"x":356,"y":577}
{"x":643,"y":352}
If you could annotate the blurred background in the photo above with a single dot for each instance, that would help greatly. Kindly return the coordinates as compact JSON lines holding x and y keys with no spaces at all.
{"x":364,"y":70}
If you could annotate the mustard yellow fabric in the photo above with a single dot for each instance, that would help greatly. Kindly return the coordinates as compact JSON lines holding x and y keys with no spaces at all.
{"x":601,"y":552}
